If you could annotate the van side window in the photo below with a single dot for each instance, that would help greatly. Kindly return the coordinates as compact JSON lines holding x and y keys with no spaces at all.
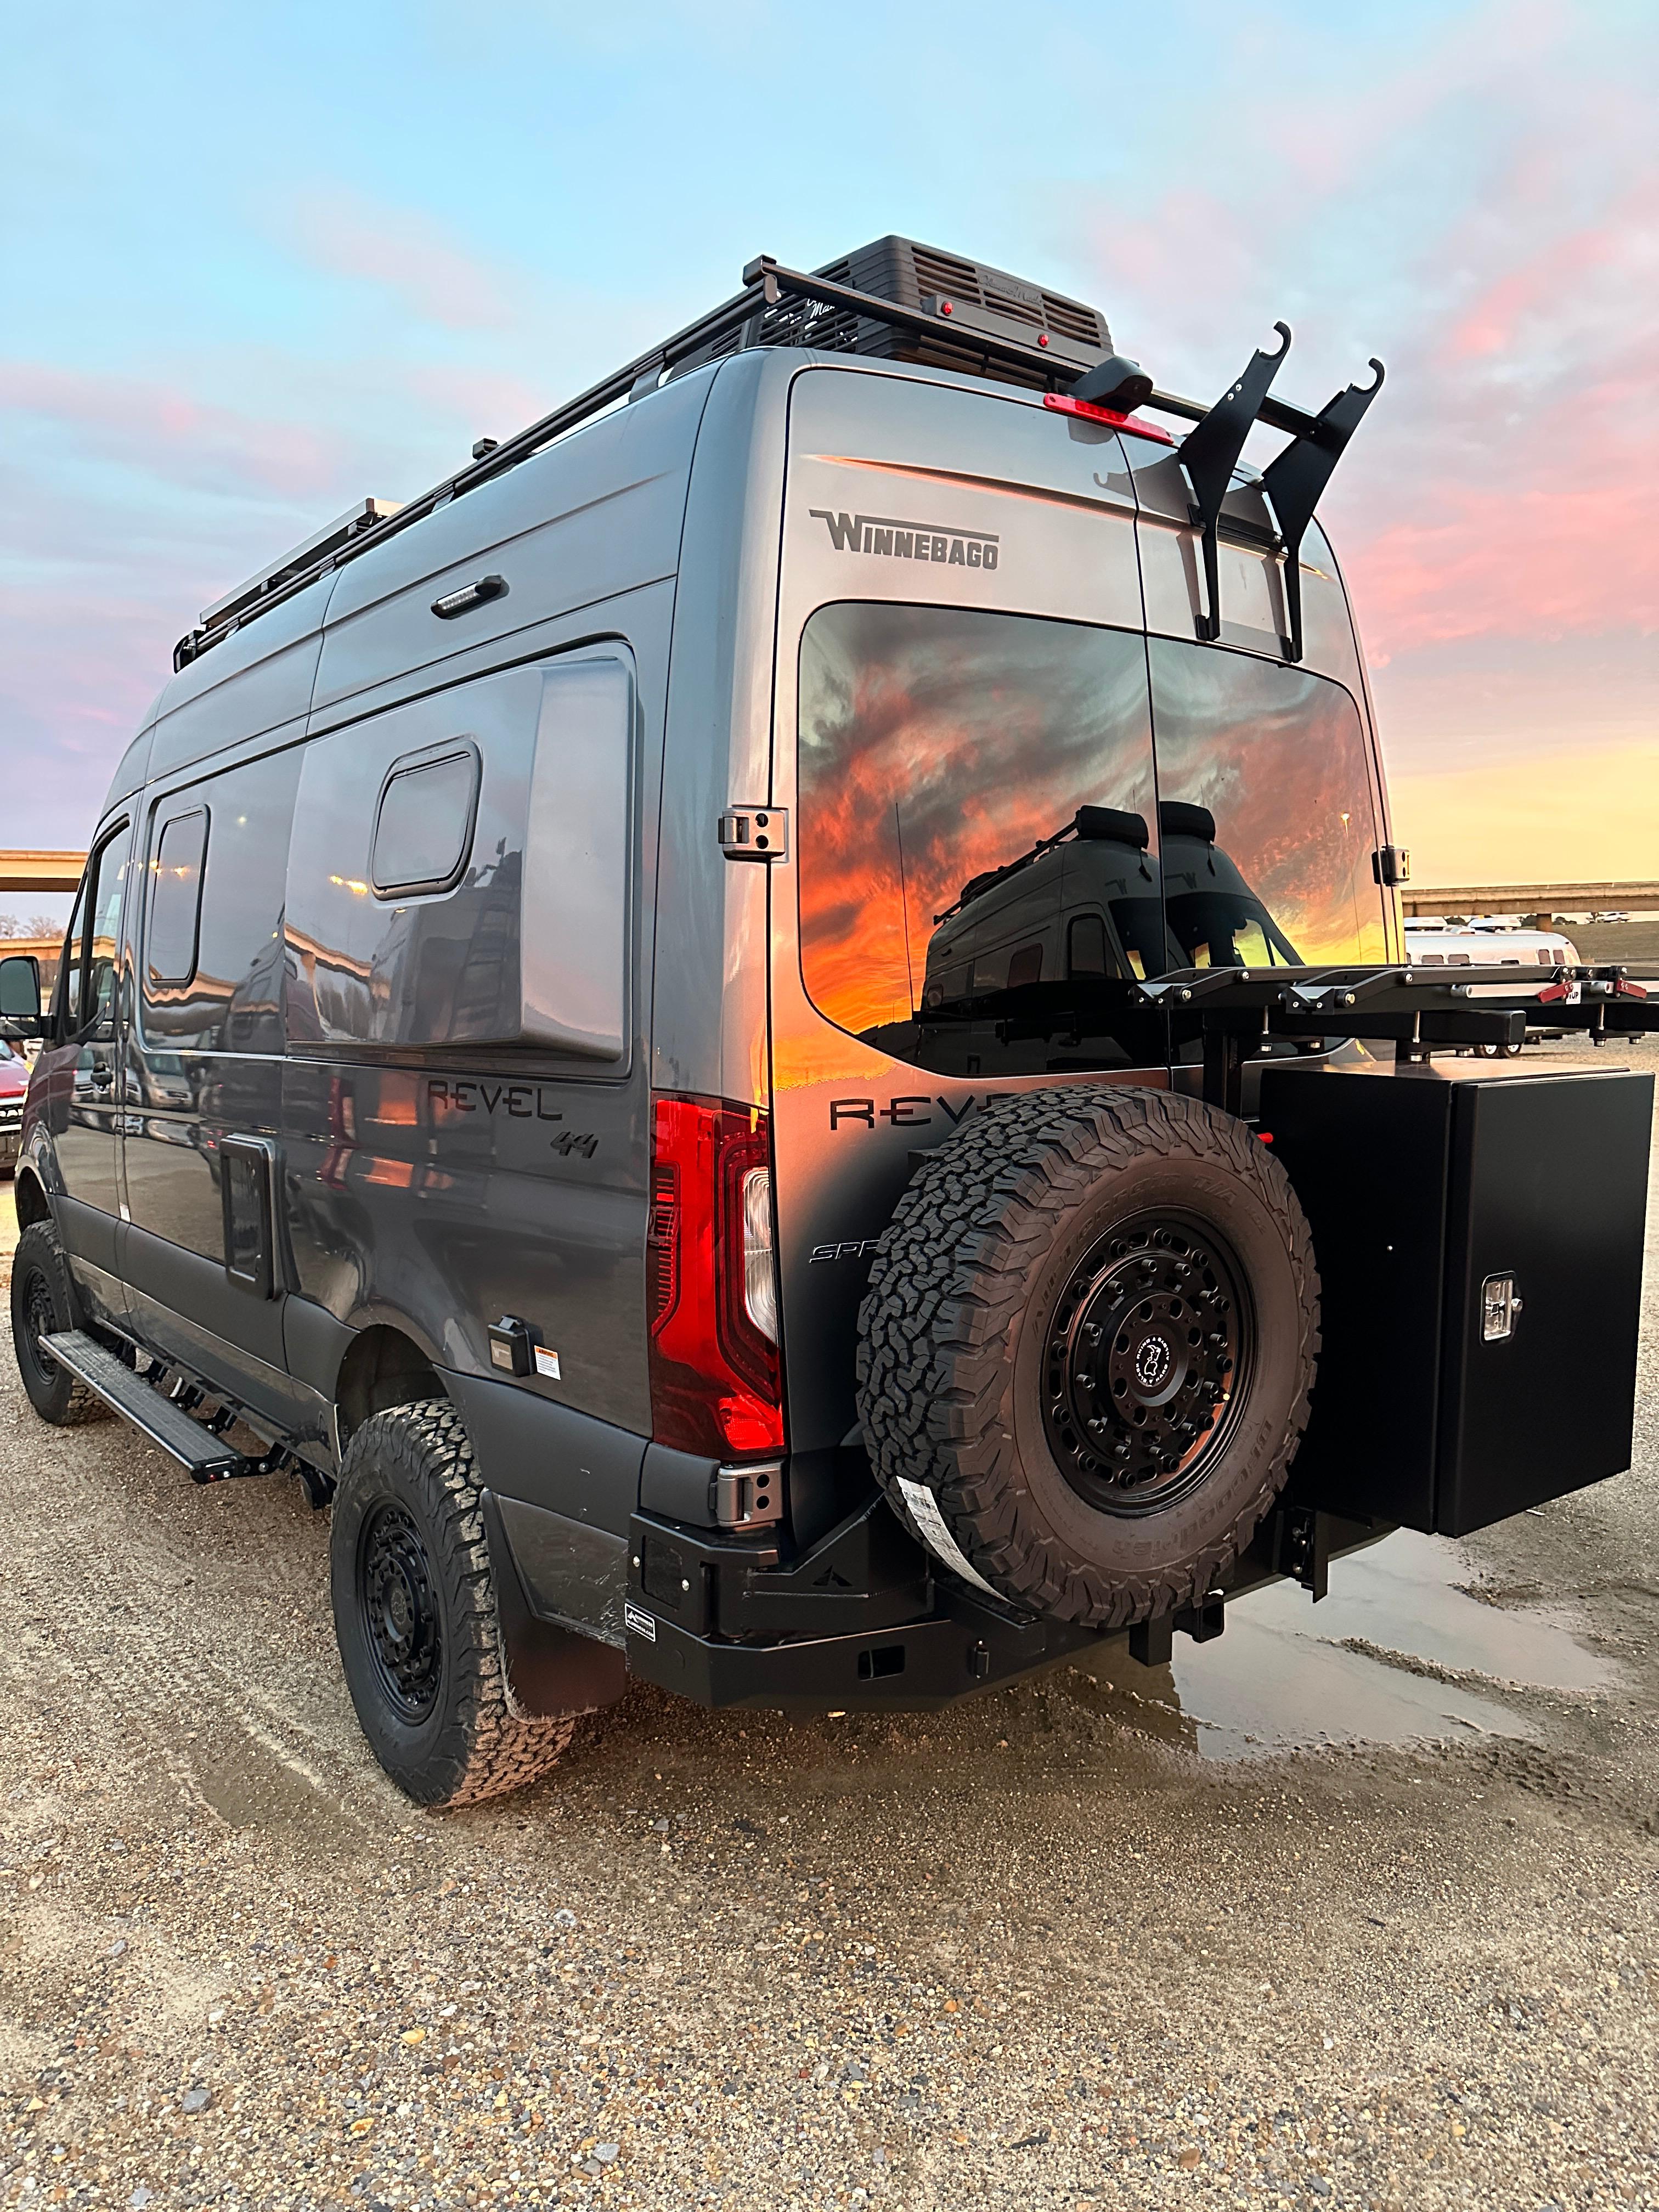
{"x":72,"y":961}
{"x":449,"y":890}
{"x":92,"y":952}
{"x":1086,"y":947}
{"x":1025,"y":966}
{"x":213,"y":953}
{"x":423,"y":833}
{"x":176,"y":899}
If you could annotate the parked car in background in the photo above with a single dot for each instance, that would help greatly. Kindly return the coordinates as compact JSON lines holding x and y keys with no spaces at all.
{"x":14,"y":1084}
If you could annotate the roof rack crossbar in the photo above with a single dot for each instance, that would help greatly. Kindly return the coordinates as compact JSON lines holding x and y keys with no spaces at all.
{"x":765,"y":282}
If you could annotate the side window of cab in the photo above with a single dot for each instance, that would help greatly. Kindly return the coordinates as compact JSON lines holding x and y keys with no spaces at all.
{"x":87,"y":977}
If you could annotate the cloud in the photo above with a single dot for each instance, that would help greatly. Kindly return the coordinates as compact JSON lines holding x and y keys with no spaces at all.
{"x":163,"y":431}
{"x":409,"y":255}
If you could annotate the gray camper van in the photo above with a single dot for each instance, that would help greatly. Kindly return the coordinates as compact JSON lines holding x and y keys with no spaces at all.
{"x":767,"y":1037}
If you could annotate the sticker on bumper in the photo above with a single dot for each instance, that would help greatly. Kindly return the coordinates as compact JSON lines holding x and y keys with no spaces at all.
{"x":930,"y":1526}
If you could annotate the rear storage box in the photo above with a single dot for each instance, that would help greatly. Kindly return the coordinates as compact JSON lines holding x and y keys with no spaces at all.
{"x":1479,"y":1234}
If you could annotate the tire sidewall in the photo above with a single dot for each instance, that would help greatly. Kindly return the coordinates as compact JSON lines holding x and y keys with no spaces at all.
{"x":39,"y":1257}
{"x":1244,"y":1468}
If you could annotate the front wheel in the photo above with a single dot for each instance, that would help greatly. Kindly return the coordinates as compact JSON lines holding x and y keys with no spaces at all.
{"x":43,"y":1303}
{"x":1087,"y":1350}
{"x":415,"y":1614}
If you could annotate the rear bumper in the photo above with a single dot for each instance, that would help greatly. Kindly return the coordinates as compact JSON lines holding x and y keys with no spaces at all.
{"x":860,"y":1622}
{"x":915,"y":1666}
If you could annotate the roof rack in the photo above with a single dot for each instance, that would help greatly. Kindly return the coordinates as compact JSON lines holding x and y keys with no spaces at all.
{"x":317,"y":550}
{"x":776,"y":306}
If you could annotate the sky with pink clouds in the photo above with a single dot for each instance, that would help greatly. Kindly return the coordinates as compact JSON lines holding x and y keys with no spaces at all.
{"x":257,"y":263}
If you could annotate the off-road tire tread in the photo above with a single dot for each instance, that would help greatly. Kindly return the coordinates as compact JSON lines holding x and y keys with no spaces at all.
{"x":495,"y":1747}
{"x":39,"y":1245}
{"x":948,"y":1276}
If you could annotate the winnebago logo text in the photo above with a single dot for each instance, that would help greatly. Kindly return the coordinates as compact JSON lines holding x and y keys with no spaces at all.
{"x":908,"y":541}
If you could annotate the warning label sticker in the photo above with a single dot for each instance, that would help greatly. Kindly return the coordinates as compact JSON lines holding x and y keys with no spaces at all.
{"x":930,"y":1525}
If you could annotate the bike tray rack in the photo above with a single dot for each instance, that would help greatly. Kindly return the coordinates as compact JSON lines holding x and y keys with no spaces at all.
{"x":1234,"y":1011}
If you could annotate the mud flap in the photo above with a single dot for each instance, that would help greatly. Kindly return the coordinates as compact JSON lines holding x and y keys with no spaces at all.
{"x":552,"y":1673}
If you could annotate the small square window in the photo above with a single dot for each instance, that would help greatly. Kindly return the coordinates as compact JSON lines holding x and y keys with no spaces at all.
{"x":423,"y":832}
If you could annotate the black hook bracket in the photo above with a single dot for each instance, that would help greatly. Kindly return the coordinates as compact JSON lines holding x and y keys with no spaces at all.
{"x":1295,"y":480}
{"x":1209,"y":453}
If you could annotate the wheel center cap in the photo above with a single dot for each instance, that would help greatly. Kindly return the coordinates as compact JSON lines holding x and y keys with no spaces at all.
{"x":1153,"y":1363}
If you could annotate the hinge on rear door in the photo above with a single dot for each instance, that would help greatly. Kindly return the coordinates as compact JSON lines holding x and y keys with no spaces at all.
{"x":755,"y":833}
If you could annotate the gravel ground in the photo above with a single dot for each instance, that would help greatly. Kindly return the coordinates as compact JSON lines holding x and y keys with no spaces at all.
{"x":1040,"y":1951}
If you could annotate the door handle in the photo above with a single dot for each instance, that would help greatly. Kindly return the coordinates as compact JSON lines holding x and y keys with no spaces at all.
{"x":470,"y":595}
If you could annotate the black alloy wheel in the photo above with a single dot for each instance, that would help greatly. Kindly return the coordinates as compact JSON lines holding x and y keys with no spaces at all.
{"x":401,"y":1611}
{"x":1149,"y":1348}
{"x":414,"y":1590}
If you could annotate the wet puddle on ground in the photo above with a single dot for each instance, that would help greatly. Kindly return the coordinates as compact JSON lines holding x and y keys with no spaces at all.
{"x":1283,"y":1676}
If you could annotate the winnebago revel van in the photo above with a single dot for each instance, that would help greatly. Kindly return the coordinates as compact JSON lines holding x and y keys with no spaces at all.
{"x":767,"y":1037}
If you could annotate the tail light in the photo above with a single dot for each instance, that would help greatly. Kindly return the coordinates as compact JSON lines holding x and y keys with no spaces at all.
{"x":715,"y":1386}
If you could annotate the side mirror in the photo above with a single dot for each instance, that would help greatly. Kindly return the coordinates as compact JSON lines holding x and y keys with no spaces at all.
{"x":19,"y":992}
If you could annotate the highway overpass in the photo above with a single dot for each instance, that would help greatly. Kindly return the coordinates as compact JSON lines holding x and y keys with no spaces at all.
{"x":41,"y":871}
{"x":1532,"y":898}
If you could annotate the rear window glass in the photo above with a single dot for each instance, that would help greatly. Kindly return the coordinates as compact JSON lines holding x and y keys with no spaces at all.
{"x":425,"y":825}
{"x":988,"y":867}
{"x":1265,"y":799}
{"x":972,"y":788}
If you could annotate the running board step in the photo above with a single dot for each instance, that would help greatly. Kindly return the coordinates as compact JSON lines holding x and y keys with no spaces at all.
{"x":208,"y":1457}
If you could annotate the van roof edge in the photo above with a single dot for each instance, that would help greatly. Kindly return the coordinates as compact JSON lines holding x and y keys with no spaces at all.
{"x":766,"y":281}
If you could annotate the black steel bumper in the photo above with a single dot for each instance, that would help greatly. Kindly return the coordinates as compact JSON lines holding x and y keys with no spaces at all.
{"x":858,"y":1619}
{"x":860,"y":1622}
{"x":914,"y":1667}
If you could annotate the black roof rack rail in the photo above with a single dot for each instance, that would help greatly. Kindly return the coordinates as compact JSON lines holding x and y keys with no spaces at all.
{"x":766,"y":282}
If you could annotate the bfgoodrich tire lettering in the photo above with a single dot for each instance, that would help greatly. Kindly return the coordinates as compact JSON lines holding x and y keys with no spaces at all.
{"x":968,"y":1298}
{"x":415,"y":1614}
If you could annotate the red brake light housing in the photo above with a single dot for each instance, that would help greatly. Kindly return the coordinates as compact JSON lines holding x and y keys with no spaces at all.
{"x":716,"y":1386}
{"x":1063,"y":403}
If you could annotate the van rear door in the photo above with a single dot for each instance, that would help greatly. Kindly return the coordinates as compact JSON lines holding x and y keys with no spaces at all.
{"x":961,"y":680}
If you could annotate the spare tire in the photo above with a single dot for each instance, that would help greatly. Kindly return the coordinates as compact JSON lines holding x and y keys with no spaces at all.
{"x":1086,"y":1351}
